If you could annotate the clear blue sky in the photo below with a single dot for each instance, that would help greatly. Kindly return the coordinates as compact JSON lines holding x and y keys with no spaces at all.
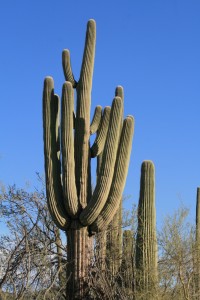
{"x":151,"y":48}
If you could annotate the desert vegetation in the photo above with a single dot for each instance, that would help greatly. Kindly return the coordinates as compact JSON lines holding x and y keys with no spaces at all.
{"x":34,"y":254}
{"x":67,"y":240}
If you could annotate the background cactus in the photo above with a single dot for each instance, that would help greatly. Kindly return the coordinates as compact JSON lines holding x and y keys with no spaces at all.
{"x":197,"y":248}
{"x":71,"y":203}
{"x":146,"y":242}
{"x":127,"y":267}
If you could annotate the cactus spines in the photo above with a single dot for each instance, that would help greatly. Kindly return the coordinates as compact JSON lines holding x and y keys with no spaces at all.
{"x":69,"y":193}
{"x":146,"y":241}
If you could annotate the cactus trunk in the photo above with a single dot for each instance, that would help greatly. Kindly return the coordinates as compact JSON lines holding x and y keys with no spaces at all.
{"x":78,"y":259}
{"x":146,"y":241}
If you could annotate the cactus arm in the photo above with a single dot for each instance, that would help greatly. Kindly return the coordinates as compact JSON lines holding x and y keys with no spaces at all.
{"x":52,"y":162}
{"x":68,"y":166}
{"x":67,"y":68}
{"x":119,"y":92}
{"x":99,"y":142}
{"x":119,"y":178}
{"x":86,"y":74}
{"x":82,"y":124}
{"x":96,"y":120}
{"x":96,"y":204}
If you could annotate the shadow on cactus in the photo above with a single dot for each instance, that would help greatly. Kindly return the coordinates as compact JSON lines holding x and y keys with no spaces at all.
{"x":73,"y":206}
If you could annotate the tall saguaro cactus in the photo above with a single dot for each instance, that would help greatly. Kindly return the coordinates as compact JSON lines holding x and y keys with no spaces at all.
{"x":146,"y":241}
{"x":68,"y":176}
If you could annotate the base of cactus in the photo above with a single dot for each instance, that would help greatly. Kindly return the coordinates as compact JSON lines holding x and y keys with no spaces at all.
{"x":79,"y":251}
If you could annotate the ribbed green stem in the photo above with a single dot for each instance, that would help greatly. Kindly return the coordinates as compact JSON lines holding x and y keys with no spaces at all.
{"x":52,"y":163}
{"x":119,"y":178}
{"x":82,"y":124}
{"x":96,"y":204}
{"x":67,"y":68}
{"x":146,"y":242}
{"x":68,"y":166}
{"x":114,"y":237}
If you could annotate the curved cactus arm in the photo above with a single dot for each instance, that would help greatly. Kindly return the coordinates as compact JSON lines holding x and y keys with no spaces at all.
{"x":68,"y":165}
{"x":66,"y":63}
{"x":96,"y":204}
{"x":119,"y":178}
{"x":96,"y":120}
{"x":99,"y":142}
{"x":51,"y":152}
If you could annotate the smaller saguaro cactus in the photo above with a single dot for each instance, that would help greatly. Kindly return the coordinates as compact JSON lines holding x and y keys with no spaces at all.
{"x":146,"y":241}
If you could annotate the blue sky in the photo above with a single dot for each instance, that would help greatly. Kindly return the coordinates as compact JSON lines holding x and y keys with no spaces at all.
{"x":151,"y":48}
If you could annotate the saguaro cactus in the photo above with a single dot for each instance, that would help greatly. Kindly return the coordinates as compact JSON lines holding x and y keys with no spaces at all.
{"x":197,"y":249}
{"x":146,"y":242}
{"x":71,"y":203}
{"x":127,"y":267}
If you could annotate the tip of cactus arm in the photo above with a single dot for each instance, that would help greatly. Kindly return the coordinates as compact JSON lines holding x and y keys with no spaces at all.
{"x":91,"y":21}
{"x":119,"y":88}
{"x":66,"y":51}
{"x":130,"y":117}
{"x":91,"y":26}
{"x":67,"y":85}
{"x":147,"y":163}
{"x":48,"y":80}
